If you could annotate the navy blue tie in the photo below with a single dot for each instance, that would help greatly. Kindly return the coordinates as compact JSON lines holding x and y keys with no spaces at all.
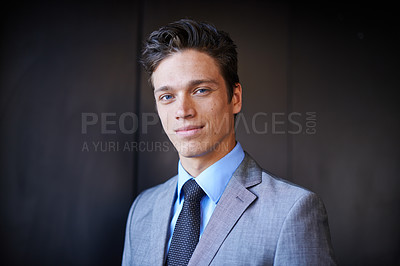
{"x":187,"y":228}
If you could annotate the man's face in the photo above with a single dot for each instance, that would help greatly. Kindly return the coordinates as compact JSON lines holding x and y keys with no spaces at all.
{"x":193,"y":106}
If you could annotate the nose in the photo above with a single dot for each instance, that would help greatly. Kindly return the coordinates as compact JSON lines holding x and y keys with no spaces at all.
{"x":185,"y":108}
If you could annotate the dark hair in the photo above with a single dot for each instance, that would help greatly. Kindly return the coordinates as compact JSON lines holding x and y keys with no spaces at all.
{"x":189,"y":34}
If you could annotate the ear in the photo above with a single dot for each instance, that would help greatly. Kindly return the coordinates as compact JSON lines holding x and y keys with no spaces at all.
{"x":237,"y":98}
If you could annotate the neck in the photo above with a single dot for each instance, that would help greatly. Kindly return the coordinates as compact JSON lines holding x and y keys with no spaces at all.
{"x":195,"y":165}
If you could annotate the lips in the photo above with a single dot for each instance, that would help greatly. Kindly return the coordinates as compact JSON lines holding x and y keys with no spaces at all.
{"x":188,"y":130}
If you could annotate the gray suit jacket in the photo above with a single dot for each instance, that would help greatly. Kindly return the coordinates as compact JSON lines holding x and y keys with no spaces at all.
{"x":259,"y":220}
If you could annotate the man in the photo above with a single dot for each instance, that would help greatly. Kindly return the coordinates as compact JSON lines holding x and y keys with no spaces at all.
{"x":221,"y":208}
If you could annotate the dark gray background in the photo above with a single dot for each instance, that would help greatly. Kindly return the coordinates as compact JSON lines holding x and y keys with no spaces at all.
{"x":61,"y":205}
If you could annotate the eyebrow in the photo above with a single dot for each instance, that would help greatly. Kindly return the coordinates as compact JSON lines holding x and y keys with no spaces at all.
{"x":192,"y":83}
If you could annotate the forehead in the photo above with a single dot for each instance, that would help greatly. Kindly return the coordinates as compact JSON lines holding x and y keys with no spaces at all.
{"x":184,"y":66}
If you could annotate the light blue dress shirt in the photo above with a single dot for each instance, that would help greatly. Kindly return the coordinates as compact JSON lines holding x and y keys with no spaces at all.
{"x":213,"y":181}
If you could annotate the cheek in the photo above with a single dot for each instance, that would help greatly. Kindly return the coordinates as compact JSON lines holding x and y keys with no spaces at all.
{"x":164,"y":120}
{"x":219,"y":109}
{"x":212,"y":107}
{"x":163,"y":116}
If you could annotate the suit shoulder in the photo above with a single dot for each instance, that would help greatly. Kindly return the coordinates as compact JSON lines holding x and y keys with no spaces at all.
{"x":284,"y":199}
{"x":281,"y":191}
{"x":281,"y":183}
{"x":266,"y":185}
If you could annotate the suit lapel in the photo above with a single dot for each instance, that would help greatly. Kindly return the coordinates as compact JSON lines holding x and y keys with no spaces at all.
{"x":161,"y":221}
{"x":234,"y":201}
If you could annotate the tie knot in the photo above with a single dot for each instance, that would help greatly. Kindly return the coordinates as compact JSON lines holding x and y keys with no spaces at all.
{"x":193,"y":191}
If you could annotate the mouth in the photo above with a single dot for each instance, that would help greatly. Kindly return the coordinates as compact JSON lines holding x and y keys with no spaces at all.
{"x":188,"y":130}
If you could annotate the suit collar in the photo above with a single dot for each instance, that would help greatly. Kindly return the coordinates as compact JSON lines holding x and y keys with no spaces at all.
{"x":234,"y":201}
{"x":248,"y":173}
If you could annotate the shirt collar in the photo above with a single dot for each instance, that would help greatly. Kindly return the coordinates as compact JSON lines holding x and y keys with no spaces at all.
{"x":214,"y":179}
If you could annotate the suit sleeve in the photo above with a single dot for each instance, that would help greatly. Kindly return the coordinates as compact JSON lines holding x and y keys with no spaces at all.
{"x":127,"y":254}
{"x":304,"y":238}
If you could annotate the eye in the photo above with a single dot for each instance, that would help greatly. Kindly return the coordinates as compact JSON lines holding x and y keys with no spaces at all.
{"x":165,"y":97}
{"x":201,"y":91}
